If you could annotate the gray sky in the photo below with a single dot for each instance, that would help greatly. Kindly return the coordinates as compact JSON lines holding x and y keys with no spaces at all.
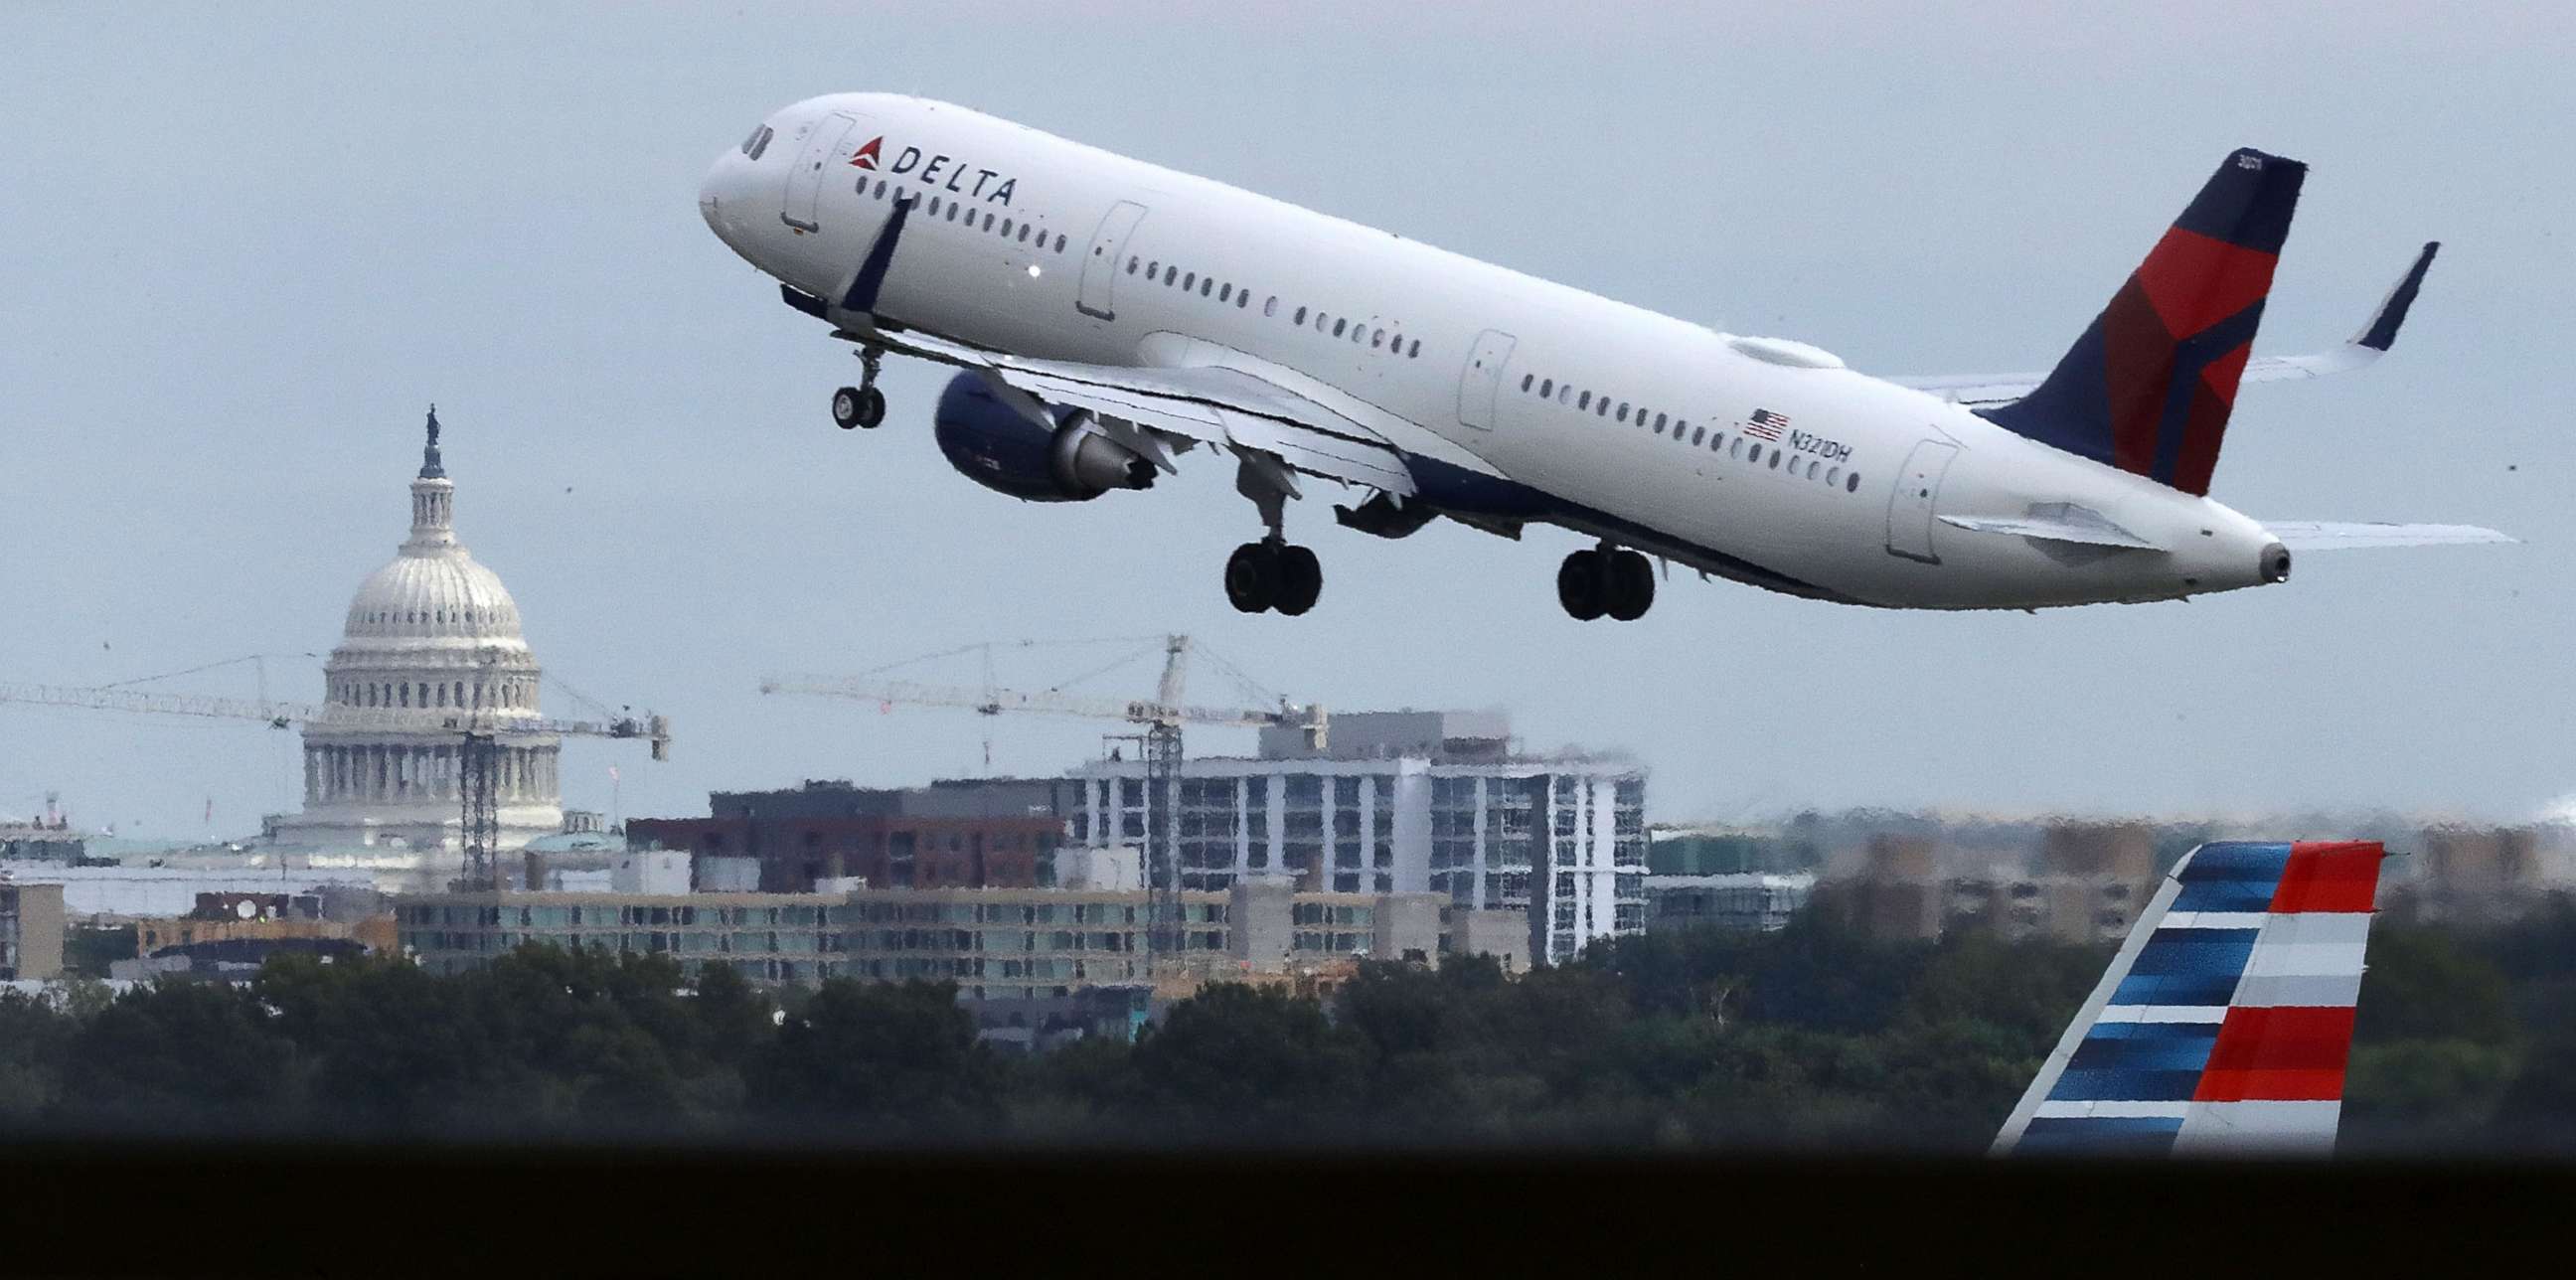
{"x":244,"y":247}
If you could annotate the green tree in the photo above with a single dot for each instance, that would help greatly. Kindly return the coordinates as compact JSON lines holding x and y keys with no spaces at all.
{"x":541,"y":1037}
{"x":33,"y":1039}
{"x":1080,"y":1090}
{"x":385,"y":1044}
{"x":2026,"y":991}
{"x":902,"y":1058}
{"x":2447,"y":1088}
{"x":2429,"y":984}
{"x":1408,"y":1019}
{"x":180,"y":1054}
{"x":1236,"y":1060}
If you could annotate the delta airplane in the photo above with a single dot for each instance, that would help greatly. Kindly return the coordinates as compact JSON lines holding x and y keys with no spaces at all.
{"x":1109,"y":316}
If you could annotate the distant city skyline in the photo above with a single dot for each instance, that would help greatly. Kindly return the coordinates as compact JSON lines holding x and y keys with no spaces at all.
{"x":223,"y":336}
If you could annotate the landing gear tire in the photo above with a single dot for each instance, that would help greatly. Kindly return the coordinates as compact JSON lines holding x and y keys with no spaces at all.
{"x":1631,"y":586}
{"x":1301,"y":580}
{"x":1578,"y":585}
{"x":1620,"y":584}
{"x":862,"y":406}
{"x":1262,"y":576}
{"x":1252,"y":577}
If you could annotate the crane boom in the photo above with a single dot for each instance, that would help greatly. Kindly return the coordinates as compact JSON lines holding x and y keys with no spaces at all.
{"x":996,"y":701}
{"x":480,"y":730}
{"x":655,"y":729}
{"x":1161,"y":716}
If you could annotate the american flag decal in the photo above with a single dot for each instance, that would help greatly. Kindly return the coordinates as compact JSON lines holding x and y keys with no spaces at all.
{"x":1765,"y":425}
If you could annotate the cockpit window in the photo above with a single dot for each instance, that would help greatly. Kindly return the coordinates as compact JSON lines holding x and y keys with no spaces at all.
{"x":757,"y":142}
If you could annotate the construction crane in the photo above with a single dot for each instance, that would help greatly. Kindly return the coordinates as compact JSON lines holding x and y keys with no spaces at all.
{"x":1161,"y":718}
{"x":481,"y":730}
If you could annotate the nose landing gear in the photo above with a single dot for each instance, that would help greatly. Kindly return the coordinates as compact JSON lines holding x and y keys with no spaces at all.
{"x":1606,"y":581}
{"x":862,"y":405}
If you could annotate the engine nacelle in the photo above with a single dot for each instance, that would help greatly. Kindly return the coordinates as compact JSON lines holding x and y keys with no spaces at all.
{"x":991,"y":444}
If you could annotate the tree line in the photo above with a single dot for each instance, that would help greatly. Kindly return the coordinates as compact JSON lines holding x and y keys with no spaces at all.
{"x":1816,"y":1037}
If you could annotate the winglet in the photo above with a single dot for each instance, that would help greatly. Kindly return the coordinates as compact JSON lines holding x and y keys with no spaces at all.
{"x":2381,"y":332}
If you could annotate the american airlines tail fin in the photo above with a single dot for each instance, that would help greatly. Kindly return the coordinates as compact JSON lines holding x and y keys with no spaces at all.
{"x":2223,"y":1025}
{"x":2149,"y":386}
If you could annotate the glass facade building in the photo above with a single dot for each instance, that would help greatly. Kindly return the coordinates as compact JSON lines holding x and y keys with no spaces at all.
{"x":1404,"y":802}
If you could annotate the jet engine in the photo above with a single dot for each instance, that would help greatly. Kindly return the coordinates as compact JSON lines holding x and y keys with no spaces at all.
{"x":993,"y":445}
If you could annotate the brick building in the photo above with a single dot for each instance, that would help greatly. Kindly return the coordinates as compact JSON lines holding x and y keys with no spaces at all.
{"x":999,"y":834}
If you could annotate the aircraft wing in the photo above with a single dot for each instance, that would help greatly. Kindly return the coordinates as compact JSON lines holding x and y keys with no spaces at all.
{"x":1222,"y":407}
{"x":2373,"y":341}
{"x":2330,"y":535}
{"x":1226,"y":408}
{"x":2223,"y":1026}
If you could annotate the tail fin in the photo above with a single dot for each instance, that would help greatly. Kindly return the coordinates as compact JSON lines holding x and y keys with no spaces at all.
{"x":2148,"y":387}
{"x":2223,"y":1025}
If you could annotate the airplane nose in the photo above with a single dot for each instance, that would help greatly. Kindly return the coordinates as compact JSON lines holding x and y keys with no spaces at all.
{"x":711,"y":194}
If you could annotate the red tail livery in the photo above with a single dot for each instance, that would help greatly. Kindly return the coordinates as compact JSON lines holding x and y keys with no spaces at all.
{"x":2148,"y":387}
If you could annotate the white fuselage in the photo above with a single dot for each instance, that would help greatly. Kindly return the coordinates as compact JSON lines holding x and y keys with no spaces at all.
{"x":1478,"y":373}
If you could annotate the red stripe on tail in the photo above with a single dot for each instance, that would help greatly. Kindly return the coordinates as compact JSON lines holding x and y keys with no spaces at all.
{"x":2196,"y":281}
{"x":2330,"y":876}
{"x":2278,"y":1055}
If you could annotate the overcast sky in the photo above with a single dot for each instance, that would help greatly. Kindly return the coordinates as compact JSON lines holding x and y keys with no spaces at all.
{"x":244,"y":247}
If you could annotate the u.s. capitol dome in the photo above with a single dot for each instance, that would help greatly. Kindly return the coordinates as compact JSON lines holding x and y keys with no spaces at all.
{"x":434,"y":629}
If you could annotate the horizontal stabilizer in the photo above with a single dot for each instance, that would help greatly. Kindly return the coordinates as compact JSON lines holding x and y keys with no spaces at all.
{"x":2378,"y":333}
{"x":2328,"y":535}
{"x":2057,"y":522}
{"x":2374,"y":340}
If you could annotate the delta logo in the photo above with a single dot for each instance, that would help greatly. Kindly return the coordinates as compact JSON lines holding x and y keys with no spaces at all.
{"x":944,"y":173}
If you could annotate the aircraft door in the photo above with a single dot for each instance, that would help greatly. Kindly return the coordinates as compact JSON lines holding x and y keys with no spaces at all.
{"x":1100,"y":266}
{"x":802,"y":207}
{"x":1481,"y":382}
{"x":1918,"y":491}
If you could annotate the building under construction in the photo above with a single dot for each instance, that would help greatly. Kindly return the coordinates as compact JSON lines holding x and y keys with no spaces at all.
{"x":1403,"y":802}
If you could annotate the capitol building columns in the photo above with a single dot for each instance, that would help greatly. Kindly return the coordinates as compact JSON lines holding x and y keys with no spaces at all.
{"x":432,"y":629}
{"x":377,"y":773}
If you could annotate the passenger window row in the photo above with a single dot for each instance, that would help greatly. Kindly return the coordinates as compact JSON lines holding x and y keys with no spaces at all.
{"x":1599,"y":406}
{"x":974,"y":219}
{"x":1737,"y":447}
{"x":1377,"y":337}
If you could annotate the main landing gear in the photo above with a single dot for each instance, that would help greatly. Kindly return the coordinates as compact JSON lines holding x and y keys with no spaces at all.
{"x":1607,"y":580}
{"x":1272,"y":574}
{"x":862,"y":405}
